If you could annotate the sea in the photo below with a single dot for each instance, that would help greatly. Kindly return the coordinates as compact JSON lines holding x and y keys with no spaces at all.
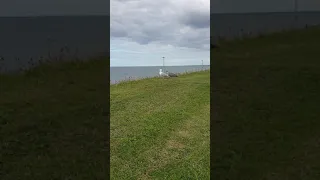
{"x":118,"y":74}
{"x":25,"y":39}
{"x":229,"y":26}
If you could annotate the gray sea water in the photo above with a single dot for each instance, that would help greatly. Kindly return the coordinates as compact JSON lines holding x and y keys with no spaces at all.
{"x":125,"y":73}
{"x":64,"y":37}
{"x":229,"y":26}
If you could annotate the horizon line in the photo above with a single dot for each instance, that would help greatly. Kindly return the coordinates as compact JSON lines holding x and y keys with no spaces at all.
{"x":162,"y":66}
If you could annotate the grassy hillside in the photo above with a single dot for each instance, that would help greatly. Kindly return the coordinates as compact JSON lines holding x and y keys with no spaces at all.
{"x":53,"y":122}
{"x":160,"y":128}
{"x":265,"y":107}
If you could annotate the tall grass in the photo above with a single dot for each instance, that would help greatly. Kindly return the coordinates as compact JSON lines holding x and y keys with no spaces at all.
{"x":65,"y":53}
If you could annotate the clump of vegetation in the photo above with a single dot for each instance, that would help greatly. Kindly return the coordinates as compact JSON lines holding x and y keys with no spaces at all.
{"x":64,"y":54}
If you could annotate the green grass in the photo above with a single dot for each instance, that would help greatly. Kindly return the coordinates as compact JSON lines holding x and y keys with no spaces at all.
{"x":160,"y":128}
{"x":265,"y":107}
{"x":53,"y":122}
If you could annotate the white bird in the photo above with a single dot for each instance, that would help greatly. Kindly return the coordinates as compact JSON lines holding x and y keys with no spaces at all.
{"x":162,"y":73}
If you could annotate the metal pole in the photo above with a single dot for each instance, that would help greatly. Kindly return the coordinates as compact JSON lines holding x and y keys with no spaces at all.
{"x":202,"y":64}
{"x":163,"y":63}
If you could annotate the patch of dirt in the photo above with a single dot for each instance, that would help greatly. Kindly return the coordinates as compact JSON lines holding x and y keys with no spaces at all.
{"x":162,"y":160}
{"x":184,"y":133}
{"x":171,"y":144}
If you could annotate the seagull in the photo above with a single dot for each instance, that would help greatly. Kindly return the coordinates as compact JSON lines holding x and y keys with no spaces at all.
{"x":171,"y":74}
{"x":162,"y":73}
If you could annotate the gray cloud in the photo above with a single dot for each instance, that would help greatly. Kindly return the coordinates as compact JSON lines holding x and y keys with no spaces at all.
{"x":183,"y":23}
{"x":196,"y":19}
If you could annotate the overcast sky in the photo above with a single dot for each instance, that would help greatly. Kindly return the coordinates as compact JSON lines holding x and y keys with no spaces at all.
{"x":143,"y":31}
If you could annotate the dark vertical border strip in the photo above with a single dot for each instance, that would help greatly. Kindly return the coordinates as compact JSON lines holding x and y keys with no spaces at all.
{"x":211,"y":96}
{"x":108,"y":98}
